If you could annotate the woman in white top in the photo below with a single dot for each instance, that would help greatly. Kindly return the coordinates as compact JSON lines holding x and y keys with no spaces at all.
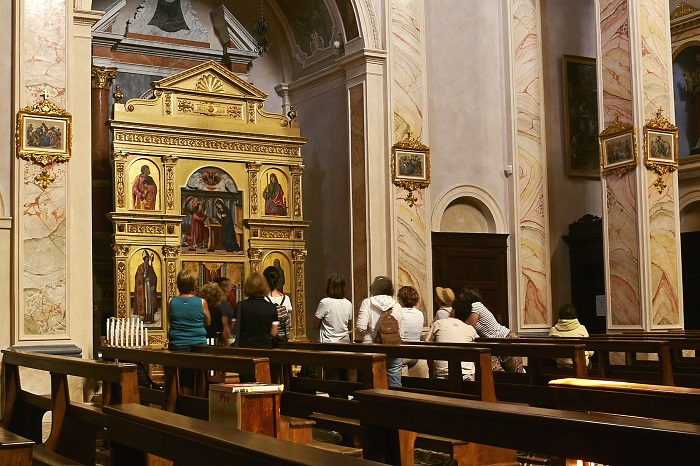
{"x":334,"y":320}
{"x":283,"y":303}
{"x":381,"y":301}
{"x":454,"y":330}
{"x":334,"y":314}
{"x":487,"y":326}
{"x":413,"y":320}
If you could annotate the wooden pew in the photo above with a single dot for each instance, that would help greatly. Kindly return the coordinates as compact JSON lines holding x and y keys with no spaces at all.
{"x":74,"y":426}
{"x":602,"y":368}
{"x":604,"y":438}
{"x":135,"y":429}
{"x":481,"y":388}
{"x":632,"y":399}
{"x":14,"y":449}
{"x":170,"y":397}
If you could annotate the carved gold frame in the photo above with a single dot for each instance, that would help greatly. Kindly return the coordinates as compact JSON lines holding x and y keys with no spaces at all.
{"x":45,"y":111}
{"x":660,"y":127}
{"x":410,"y":147}
{"x":617,"y":131}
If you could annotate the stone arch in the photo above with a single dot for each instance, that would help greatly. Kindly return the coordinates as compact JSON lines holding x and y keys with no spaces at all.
{"x":472,"y":209}
{"x":689,"y":207}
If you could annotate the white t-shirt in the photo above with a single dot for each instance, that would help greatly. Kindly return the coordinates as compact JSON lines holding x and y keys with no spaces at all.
{"x":335,"y":315}
{"x":412,"y":324}
{"x":452,"y":330}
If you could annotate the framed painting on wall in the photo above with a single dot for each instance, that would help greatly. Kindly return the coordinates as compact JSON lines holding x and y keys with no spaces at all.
{"x":581,"y":116}
{"x":686,"y":90}
{"x":618,"y":146}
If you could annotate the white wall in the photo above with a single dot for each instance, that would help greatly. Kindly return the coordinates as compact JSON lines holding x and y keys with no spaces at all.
{"x":568,"y":28}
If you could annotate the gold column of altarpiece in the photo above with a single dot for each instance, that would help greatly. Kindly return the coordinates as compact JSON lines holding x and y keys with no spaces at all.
{"x":204,"y":178}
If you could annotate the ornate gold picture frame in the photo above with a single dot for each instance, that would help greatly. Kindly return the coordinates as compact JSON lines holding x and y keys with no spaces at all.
{"x":44,"y":136}
{"x":618,"y":148}
{"x":660,"y":144}
{"x":410,"y":166}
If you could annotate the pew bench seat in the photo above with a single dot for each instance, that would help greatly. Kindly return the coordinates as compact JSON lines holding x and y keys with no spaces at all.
{"x":42,"y":456}
{"x":14,"y":449}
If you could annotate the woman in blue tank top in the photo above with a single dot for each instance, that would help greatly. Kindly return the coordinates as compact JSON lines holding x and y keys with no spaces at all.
{"x":187,"y":316}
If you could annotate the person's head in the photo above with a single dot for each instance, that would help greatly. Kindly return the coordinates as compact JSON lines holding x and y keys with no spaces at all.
{"x":146,"y":257}
{"x":445,"y":296}
{"x":187,"y":281}
{"x":272,"y":275}
{"x":463,"y":309}
{"x":219,"y":204}
{"x":224,"y":283}
{"x":256,"y":286}
{"x":336,"y":287}
{"x":408,"y":296}
{"x":276,"y":263}
{"x":273,"y":178}
{"x":567,"y":311}
{"x":381,"y":286}
{"x":470,"y":294}
{"x":145,"y":170}
{"x":212,"y":294}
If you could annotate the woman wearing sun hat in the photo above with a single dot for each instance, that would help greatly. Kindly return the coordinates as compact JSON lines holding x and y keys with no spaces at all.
{"x":445,"y":298}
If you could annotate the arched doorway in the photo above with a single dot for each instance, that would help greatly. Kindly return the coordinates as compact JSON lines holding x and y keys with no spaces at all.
{"x":690,"y":259}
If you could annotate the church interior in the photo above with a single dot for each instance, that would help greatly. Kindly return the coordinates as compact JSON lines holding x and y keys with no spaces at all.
{"x":544,"y":151}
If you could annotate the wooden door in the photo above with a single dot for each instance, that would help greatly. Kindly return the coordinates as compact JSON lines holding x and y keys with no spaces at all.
{"x":690,"y":263}
{"x":476,"y":259}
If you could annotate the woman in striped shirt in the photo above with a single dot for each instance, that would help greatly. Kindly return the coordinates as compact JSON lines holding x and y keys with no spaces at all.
{"x":487,"y":326}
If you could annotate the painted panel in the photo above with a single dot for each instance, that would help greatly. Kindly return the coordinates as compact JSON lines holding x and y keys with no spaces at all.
{"x":615,"y":49}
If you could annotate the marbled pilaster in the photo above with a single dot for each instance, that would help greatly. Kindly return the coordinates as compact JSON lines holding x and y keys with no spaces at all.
{"x":532,"y":237}
{"x":615,"y":60}
{"x":411,"y":225}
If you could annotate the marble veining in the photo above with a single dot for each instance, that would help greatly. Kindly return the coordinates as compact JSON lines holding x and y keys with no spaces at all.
{"x":655,"y":34}
{"x":44,"y":264}
{"x":410,"y":223}
{"x":42,"y":225}
{"x":616,"y":65}
{"x":359,"y":194}
{"x":623,"y":245}
{"x":664,"y":253}
{"x":533,"y":238}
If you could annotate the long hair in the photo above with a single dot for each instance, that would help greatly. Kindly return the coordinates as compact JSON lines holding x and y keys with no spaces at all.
{"x":256,"y":286}
{"x":336,"y":287}
{"x":471,"y":294}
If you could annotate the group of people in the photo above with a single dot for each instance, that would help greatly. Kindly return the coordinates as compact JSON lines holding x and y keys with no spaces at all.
{"x":207,"y":315}
{"x":264,"y":319}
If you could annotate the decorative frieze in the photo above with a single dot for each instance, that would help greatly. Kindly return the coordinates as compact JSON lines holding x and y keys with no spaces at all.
{"x":121,"y":250}
{"x":276,"y":234}
{"x":171,"y":252}
{"x":145,"y":229}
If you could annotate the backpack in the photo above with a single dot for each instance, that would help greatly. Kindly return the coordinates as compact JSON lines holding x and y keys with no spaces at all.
{"x":284,"y":330}
{"x":388,"y":329}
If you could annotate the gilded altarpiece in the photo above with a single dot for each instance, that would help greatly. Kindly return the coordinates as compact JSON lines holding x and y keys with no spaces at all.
{"x":205,"y":179}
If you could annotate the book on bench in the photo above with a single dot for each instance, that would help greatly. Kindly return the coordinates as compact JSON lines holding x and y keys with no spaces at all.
{"x":246,"y":387}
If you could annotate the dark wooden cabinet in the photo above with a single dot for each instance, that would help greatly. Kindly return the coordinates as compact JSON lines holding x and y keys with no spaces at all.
{"x":585,"y":240}
{"x":476,"y":259}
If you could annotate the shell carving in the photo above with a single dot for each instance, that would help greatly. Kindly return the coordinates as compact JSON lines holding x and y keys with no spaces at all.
{"x":210,"y":83}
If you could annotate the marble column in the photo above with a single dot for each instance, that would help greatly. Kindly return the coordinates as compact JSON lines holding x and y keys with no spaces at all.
{"x":531,"y":232}
{"x":641,"y":215}
{"x":411,"y":225}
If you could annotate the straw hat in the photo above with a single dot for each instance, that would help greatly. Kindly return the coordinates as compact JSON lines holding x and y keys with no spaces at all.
{"x":446,"y":295}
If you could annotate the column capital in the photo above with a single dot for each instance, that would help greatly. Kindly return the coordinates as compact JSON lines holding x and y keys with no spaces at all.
{"x":102,"y":77}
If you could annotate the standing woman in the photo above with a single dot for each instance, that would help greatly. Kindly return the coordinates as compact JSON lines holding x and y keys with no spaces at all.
{"x":334,"y":320}
{"x":188,"y":315}
{"x":487,"y":326}
{"x":282,"y":302}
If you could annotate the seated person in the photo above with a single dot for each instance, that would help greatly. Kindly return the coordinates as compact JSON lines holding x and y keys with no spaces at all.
{"x":569,"y":326}
{"x":454,"y":330}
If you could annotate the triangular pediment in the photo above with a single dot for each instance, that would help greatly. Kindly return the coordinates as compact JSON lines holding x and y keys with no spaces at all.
{"x":210,"y":78}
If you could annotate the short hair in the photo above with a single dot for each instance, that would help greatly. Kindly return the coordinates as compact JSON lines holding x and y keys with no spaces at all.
{"x":463,"y":309}
{"x":187,"y":281}
{"x":220,"y":281}
{"x":336,"y":287}
{"x":272,"y":275}
{"x":256,"y":286}
{"x":381,"y":286}
{"x":567,"y":311}
{"x":470,"y":294}
{"x":212,"y":294}
{"x":408,"y":296}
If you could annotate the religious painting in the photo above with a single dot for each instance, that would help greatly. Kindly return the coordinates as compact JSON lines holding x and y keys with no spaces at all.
{"x":660,"y":143}
{"x":581,"y":116}
{"x":410,"y":165}
{"x":618,"y":147}
{"x":274,"y":193}
{"x":284,"y":267}
{"x":44,"y":133}
{"x":144,"y":177}
{"x":145,"y":284}
{"x":210,"y":271}
{"x":686,"y":90}
{"x":213,"y":210}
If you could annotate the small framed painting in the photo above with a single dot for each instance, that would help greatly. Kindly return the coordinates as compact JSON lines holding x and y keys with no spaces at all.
{"x":660,"y":142}
{"x":618,"y":148}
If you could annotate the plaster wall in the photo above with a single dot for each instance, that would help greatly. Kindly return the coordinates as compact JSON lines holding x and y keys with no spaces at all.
{"x":467,"y":123}
{"x":326,"y":191}
{"x":568,"y":28}
{"x":6,"y":120}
